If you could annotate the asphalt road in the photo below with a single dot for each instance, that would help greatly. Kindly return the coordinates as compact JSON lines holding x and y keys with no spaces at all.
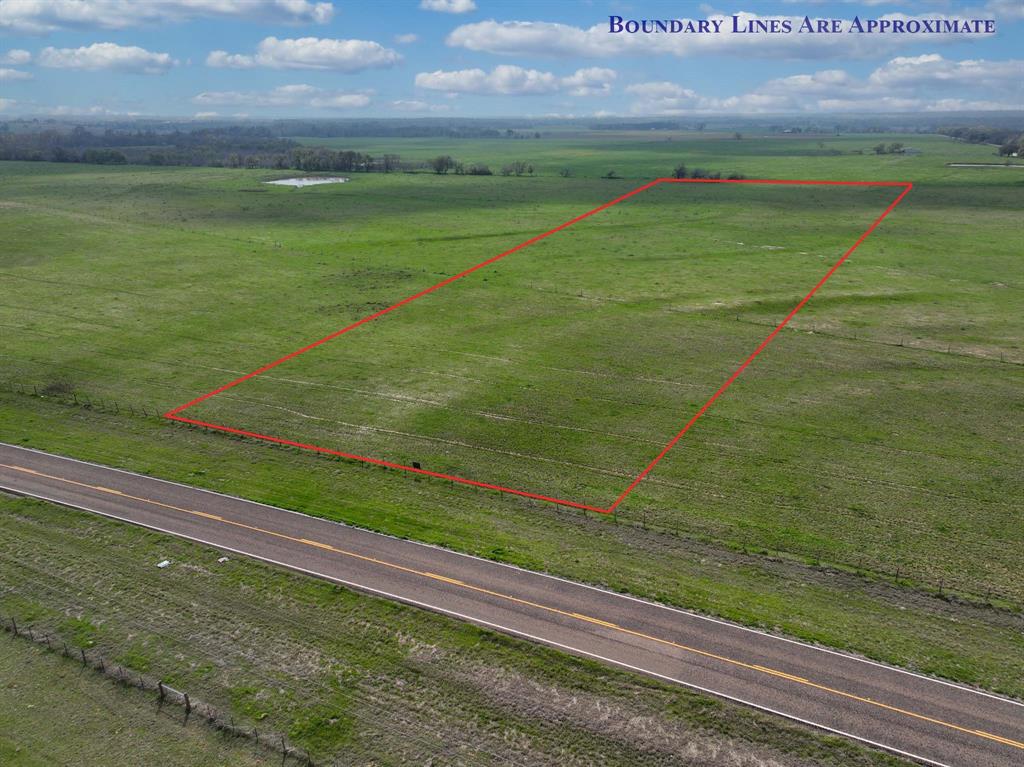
{"x":929,"y":720}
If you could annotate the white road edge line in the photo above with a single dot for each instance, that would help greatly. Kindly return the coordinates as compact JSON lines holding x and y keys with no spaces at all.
{"x":640,"y":600}
{"x":488,"y":624}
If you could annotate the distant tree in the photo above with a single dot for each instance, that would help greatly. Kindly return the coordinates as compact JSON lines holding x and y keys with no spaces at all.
{"x":565,"y":172}
{"x":519,"y":167}
{"x":442,"y":164}
{"x":506,"y":170}
{"x":879,"y":148}
{"x":537,"y":134}
{"x":680,"y":171}
{"x":610,"y":174}
{"x":509,"y":133}
{"x":894,"y":148}
{"x":737,"y":135}
{"x":735,"y":176}
{"x":699,"y":173}
{"x":103,"y":157}
{"x":529,"y":170}
{"x":459,"y":168}
{"x":479,"y":170}
{"x":390,"y":162}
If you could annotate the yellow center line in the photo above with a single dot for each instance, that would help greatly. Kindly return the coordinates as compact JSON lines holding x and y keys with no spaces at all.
{"x":782,"y":674}
{"x":598,"y":621}
{"x":554,"y":610}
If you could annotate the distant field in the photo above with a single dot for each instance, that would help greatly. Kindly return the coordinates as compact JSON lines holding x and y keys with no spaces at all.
{"x":645,"y":154}
{"x":880,"y":434}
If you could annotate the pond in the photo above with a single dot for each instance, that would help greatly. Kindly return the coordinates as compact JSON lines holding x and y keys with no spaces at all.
{"x":311,"y":181}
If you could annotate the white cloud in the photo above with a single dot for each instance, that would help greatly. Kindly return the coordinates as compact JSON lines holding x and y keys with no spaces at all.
{"x":298,"y":95}
{"x":965,"y":105}
{"x":901,"y":85}
{"x":934,"y":70}
{"x":510,"y":80}
{"x":225,"y":60}
{"x":448,"y":6}
{"x":542,"y":38}
{"x":206,"y":115}
{"x":15,"y":56}
{"x":658,"y":90}
{"x":663,"y":98}
{"x":341,"y":101}
{"x":13,"y":74}
{"x":42,"y":16}
{"x":74,"y":111}
{"x":309,"y":53}
{"x":414,"y":105}
{"x":405,"y":39}
{"x":504,"y":80}
{"x":124,"y":58}
{"x":591,"y":81}
{"x":1006,"y":9}
{"x":6,"y":104}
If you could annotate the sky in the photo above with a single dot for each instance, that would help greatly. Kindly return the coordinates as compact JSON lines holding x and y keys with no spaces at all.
{"x":212,"y":59}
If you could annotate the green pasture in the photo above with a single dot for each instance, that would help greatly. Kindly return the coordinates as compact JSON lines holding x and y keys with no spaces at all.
{"x":879,"y":434}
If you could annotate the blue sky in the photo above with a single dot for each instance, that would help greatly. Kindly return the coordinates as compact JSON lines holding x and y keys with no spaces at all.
{"x":473,"y":58}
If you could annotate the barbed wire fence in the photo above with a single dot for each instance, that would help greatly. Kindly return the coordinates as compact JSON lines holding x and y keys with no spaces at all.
{"x":68,"y":396}
{"x":166,"y":695}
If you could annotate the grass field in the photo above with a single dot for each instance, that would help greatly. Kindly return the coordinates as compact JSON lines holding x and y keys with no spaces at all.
{"x":879,"y":435}
{"x":565,"y":368}
{"x":351,"y":678}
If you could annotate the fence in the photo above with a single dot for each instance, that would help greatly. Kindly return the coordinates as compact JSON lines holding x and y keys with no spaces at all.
{"x":165,"y":694}
{"x":71,"y":397}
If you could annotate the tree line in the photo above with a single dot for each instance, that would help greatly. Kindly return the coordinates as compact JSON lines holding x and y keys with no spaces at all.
{"x":442,"y":164}
{"x":681,"y":171}
{"x":231,"y":147}
{"x":1009,"y":140}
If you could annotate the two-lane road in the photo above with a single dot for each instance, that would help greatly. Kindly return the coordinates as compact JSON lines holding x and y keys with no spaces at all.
{"x":927,"y":719}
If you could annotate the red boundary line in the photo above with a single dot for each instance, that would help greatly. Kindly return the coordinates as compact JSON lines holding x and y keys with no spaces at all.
{"x":174,"y":414}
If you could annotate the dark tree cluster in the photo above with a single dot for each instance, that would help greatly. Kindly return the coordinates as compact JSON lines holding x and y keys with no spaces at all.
{"x":982,"y":134}
{"x":681,"y":171}
{"x":1009,"y":140}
